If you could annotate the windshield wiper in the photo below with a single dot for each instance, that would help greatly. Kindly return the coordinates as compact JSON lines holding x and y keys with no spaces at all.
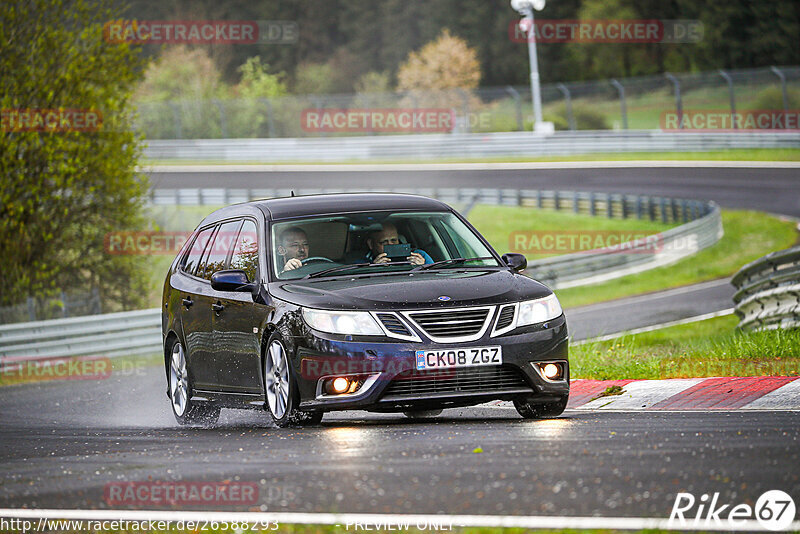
{"x":341,"y":268}
{"x":450,"y":262}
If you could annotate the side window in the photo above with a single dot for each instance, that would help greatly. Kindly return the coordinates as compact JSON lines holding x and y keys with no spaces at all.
{"x":199,"y":245}
{"x":245,"y":252}
{"x":217,"y":254}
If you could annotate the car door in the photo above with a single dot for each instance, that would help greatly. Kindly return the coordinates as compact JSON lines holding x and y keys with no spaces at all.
{"x":214,"y":259}
{"x":237,"y":324}
{"x":195,"y":312}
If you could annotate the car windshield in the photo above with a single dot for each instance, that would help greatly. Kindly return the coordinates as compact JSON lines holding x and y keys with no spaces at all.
{"x":362,"y":243}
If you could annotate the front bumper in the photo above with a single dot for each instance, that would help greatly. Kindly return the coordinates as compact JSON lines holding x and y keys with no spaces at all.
{"x":388,"y":368}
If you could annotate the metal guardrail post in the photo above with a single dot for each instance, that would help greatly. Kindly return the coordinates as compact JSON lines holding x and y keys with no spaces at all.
{"x":728,"y":79}
{"x":609,"y":207}
{"x":623,"y":107}
{"x":782,"y":77}
{"x":568,"y":99}
{"x":591,"y":205}
{"x":678,"y":100}
{"x":518,"y":107}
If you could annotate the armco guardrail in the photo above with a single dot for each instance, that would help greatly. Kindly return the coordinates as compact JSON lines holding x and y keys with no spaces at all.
{"x":435,"y":146}
{"x":768,"y":293}
{"x":140,"y":332}
{"x":113,"y":334}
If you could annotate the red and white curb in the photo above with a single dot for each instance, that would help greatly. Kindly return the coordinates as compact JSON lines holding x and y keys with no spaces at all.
{"x":727,"y":393}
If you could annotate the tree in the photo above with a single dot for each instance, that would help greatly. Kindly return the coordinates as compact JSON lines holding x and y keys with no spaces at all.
{"x":181,"y":73}
{"x":63,"y":191}
{"x":176,"y":97}
{"x":257,"y":82}
{"x":249,"y":117}
{"x":446,"y":63}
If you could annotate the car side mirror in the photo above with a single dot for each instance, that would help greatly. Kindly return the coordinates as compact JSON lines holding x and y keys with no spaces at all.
{"x":517,"y":262}
{"x":231,"y":280}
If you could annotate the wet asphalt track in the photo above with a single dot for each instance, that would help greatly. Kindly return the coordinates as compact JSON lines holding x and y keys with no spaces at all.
{"x":61,"y":443}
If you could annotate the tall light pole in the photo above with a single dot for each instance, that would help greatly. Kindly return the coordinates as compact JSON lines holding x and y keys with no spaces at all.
{"x":526,"y":8}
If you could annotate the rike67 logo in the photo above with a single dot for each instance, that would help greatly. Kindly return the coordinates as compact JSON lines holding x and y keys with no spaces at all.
{"x":774,"y":510}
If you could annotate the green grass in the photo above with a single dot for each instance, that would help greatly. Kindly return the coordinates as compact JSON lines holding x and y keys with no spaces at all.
{"x":748,"y":236}
{"x":744,"y":154}
{"x":713,"y":347}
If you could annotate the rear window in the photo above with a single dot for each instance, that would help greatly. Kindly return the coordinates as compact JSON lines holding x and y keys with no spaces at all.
{"x":196,"y":252}
{"x":217,"y":254}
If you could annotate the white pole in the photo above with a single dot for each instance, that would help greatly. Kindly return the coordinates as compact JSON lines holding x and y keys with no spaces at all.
{"x":535,"y":88}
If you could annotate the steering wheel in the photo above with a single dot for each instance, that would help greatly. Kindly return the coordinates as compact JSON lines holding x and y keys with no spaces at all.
{"x":315,"y":259}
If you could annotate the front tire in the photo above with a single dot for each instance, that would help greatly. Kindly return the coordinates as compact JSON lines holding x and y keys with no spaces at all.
{"x":531,"y":410}
{"x":186,"y":411}
{"x":280,"y":389}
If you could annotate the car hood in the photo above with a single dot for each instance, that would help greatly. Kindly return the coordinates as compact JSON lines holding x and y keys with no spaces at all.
{"x":410,"y":290}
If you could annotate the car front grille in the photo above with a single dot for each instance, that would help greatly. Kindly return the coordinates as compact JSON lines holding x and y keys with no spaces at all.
{"x":451,"y":324}
{"x":495,"y":378}
{"x":393,"y":324}
{"x":505,"y":318}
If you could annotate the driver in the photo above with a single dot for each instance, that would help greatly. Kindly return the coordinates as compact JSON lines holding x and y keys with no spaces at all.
{"x":293,"y":247}
{"x":388,"y":235}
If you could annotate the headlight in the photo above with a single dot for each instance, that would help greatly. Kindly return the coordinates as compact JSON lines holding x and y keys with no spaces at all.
{"x":538,"y":311}
{"x":352,"y":323}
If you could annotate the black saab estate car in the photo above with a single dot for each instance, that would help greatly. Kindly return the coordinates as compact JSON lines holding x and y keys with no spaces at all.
{"x":380,"y":302}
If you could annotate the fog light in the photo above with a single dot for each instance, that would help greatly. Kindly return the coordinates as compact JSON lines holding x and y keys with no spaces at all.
{"x":340,"y":385}
{"x":551,"y":371}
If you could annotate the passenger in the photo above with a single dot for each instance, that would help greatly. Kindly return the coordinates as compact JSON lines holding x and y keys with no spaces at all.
{"x":293,"y":247}
{"x":388,"y":235}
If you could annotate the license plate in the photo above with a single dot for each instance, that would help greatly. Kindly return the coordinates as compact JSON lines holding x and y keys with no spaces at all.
{"x":467,"y":357}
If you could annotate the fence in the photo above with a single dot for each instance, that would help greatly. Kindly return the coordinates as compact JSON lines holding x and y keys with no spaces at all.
{"x":139,"y":331}
{"x":768,"y":293}
{"x":66,"y":305}
{"x":626,"y":103}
